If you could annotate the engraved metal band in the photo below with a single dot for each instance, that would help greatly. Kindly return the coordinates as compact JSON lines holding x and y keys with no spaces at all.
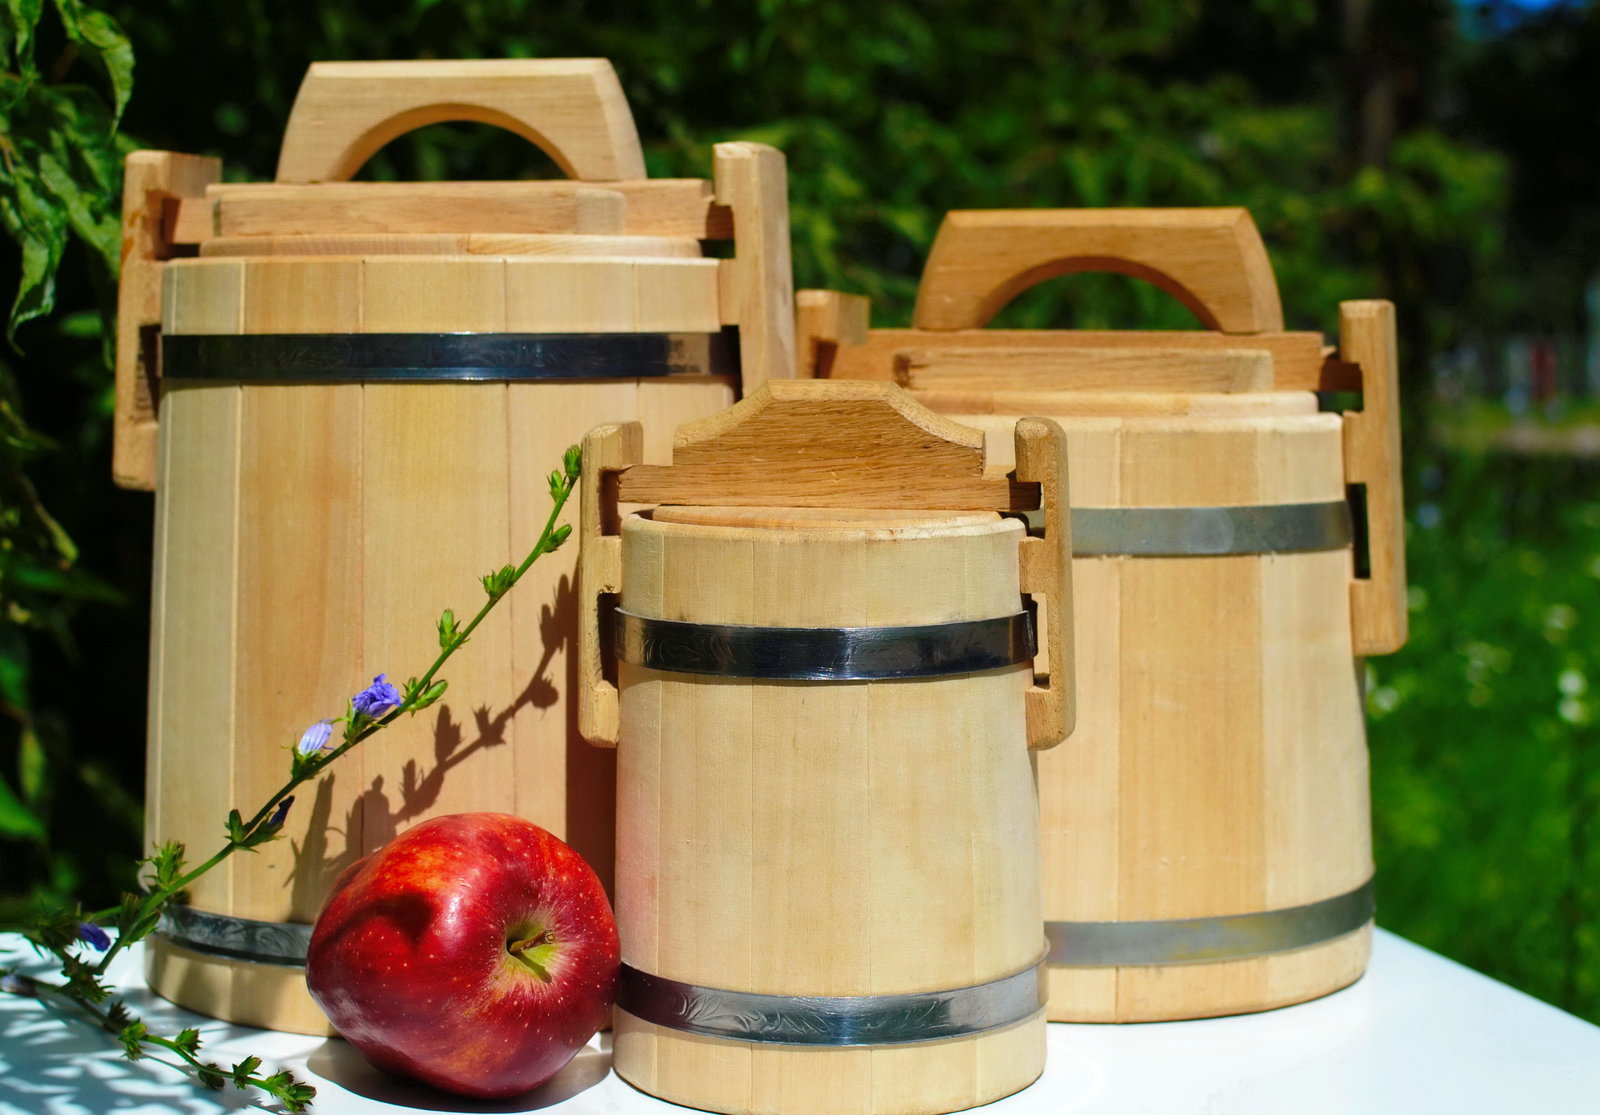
{"x":368,"y":357}
{"x":1107,"y":944}
{"x":825,"y":653}
{"x":1281,"y":528}
{"x":261,"y":942}
{"x":832,"y":1019}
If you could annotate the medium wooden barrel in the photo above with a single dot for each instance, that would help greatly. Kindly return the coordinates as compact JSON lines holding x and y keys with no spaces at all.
{"x":356,"y":423}
{"x":1206,"y":834}
{"x":828,"y":858}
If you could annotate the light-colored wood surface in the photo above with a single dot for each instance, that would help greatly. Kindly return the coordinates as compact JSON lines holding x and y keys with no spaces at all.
{"x":1372,"y":458}
{"x":1046,"y":564}
{"x":655,"y":207}
{"x":1114,"y":404}
{"x":455,"y":244}
{"x":1299,"y":362}
{"x":150,"y":179}
{"x":791,"y":442}
{"x":824,"y":319}
{"x":606,"y":450}
{"x":808,"y":839}
{"x":758,"y":282}
{"x":571,"y":108}
{"x":1123,"y":370}
{"x":1211,"y":260}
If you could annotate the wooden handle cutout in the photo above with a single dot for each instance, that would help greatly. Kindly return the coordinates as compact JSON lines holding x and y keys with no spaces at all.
{"x":1046,"y":568}
{"x":1372,"y":457}
{"x":1211,"y":260}
{"x":572,"y":108}
{"x":607,"y":450}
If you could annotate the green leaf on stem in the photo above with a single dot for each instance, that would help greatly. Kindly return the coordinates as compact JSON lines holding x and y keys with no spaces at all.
{"x":188,"y":1040}
{"x":236,"y":830}
{"x":430,"y":695}
{"x":498,"y":583}
{"x":449,"y":632}
{"x":132,"y":1038}
{"x":244,"y":1070}
{"x":211,"y":1076}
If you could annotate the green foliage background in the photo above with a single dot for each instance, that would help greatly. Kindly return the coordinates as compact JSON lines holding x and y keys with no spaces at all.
{"x":1401,"y":150}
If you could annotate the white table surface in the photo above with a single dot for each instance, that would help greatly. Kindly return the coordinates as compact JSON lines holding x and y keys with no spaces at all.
{"x":1418,"y":1034}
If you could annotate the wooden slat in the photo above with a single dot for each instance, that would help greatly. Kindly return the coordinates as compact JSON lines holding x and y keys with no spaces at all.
{"x":1372,"y":457}
{"x":823,"y":320}
{"x":452,"y":244}
{"x":758,"y":283}
{"x":656,"y":207}
{"x":1211,"y":260}
{"x":1298,"y":361}
{"x":151,"y":179}
{"x":1085,"y":369}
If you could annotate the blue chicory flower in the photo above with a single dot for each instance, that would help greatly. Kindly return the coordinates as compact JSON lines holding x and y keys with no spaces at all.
{"x":315,"y":738}
{"x":280,"y":813}
{"x":377,"y":698}
{"x":93,"y":936}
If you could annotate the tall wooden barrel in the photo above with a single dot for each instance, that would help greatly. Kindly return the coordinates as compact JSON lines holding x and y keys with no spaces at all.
{"x":828,"y":872}
{"x":362,"y":388}
{"x":1236,"y":551}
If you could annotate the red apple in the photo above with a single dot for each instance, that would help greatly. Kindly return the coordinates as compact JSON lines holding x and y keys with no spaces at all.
{"x":475,"y":952}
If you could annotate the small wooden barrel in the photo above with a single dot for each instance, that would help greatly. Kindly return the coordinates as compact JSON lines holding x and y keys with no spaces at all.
{"x":1206,"y":837}
{"x":828,"y":873}
{"x":364,"y":386}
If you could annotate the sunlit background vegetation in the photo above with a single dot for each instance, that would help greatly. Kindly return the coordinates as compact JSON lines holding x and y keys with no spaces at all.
{"x":1443,"y":155}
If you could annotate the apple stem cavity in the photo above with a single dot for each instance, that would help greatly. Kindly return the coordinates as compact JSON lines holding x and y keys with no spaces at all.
{"x":522,"y":950}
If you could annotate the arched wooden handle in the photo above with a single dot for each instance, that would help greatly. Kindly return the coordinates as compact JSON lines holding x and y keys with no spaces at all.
{"x":1046,"y":568}
{"x":606,"y":450}
{"x":572,"y":108}
{"x":1378,"y":615}
{"x":1211,"y":260}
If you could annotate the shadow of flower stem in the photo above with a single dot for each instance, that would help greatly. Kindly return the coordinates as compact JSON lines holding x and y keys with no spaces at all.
{"x":367,"y":714}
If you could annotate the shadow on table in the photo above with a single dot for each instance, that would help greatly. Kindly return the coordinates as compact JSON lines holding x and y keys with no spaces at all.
{"x":338,"y":1062}
{"x":50,"y":1059}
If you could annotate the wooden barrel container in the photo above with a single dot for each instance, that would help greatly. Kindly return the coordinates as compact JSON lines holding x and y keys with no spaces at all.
{"x":828,"y":872}
{"x":362,"y":388}
{"x":1236,"y":550}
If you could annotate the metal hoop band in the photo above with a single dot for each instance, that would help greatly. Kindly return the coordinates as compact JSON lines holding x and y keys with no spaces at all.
{"x":1281,"y":528}
{"x":282,"y":943}
{"x":1108,"y":944}
{"x":825,"y":653}
{"x":832,"y":1020}
{"x":414,"y":357}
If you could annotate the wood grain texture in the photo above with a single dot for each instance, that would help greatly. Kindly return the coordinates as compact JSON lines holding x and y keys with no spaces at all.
{"x":571,"y":108}
{"x":607,"y":449}
{"x":824,"y":839}
{"x":150,"y":180}
{"x":676,"y":207}
{"x":758,"y":282}
{"x":1046,"y":563}
{"x":824,"y":319}
{"x":799,"y":443}
{"x":1085,"y":369}
{"x":455,"y":244}
{"x":1114,"y":404}
{"x":1372,"y":457}
{"x":1298,"y":360}
{"x":1211,"y":260}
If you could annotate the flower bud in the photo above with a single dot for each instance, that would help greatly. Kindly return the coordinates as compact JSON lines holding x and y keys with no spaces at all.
{"x":315,"y":738}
